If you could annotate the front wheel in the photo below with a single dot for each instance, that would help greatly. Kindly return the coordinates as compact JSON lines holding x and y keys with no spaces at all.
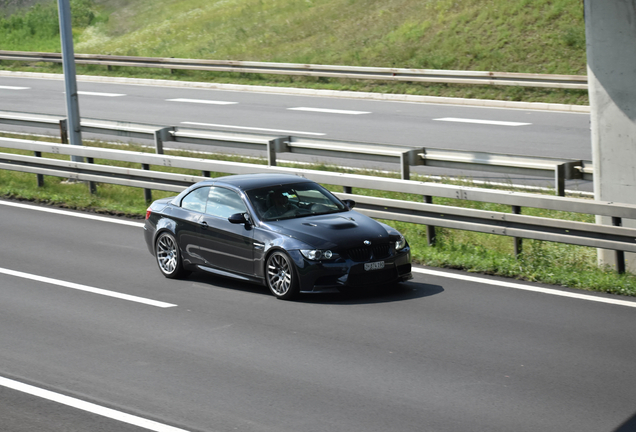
{"x":168,"y":256}
{"x":281,"y":276}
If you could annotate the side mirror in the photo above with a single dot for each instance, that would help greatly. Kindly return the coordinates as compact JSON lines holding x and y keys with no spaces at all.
{"x":238,"y":218}
{"x":350,"y":203}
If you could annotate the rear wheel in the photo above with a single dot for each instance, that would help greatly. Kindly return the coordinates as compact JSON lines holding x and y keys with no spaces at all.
{"x":281,"y":276}
{"x":168,"y":256}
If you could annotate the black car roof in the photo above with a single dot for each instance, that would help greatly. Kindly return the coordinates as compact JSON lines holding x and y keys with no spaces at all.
{"x":253,"y":181}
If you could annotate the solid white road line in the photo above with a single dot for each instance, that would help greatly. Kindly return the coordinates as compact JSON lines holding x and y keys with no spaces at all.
{"x":86,"y":288}
{"x":488,"y":122}
{"x":523,"y":287}
{"x":331,"y":111}
{"x":14,"y":88}
{"x":74,"y":214}
{"x":88,"y":406}
{"x":202,"y":101}
{"x":100,"y":94}
{"x":253,"y":128}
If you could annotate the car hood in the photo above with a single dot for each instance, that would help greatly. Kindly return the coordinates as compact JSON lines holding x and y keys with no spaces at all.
{"x":333,"y":231}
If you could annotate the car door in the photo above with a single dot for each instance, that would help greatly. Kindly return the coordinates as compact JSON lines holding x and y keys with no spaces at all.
{"x":186,"y":228}
{"x":224,"y":245}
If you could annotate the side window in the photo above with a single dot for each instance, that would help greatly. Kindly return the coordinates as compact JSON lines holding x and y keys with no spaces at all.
{"x":196,"y":199}
{"x":224,"y":203}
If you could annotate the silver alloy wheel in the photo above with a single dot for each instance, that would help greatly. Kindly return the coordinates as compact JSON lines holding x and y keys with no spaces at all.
{"x":167,"y":254}
{"x":279,"y":274}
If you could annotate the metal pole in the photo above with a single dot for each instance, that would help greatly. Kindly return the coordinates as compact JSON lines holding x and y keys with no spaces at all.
{"x":147,"y":192}
{"x":620,"y":255}
{"x":518,"y":240}
{"x":430,"y":230}
{"x":559,"y":179}
{"x":68,"y":60}
{"x":611,"y":69}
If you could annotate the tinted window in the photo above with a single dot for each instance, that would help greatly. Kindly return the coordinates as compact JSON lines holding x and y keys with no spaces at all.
{"x":196,"y":199}
{"x":294,"y":200}
{"x":224,"y":203}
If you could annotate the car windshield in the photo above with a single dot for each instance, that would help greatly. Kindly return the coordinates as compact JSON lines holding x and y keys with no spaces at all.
{"x":293,"y":200}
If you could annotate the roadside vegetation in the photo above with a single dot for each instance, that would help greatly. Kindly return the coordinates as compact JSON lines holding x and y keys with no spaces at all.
{"x":538,"y":36}
{"x":553,"y":263}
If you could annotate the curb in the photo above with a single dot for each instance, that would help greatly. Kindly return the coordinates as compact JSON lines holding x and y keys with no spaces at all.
{"x":486,"y":103}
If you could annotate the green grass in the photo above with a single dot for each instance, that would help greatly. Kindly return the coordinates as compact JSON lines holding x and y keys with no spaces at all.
{"x":553,"y":263}
{"x":37,"y":28}
{"x":539,"y":36}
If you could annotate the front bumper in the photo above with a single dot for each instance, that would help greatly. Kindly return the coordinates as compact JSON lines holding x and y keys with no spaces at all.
{"x":315,"y":276}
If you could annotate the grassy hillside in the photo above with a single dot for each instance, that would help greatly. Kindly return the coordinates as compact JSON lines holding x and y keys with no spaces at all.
{"x":539,"y":36}
{"x":33,"y":25}
{"x":8,"y":7}
{"x":542,"y":36}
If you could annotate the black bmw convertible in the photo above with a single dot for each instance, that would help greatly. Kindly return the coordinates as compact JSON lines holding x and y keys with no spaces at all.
{"x":283,"y":231}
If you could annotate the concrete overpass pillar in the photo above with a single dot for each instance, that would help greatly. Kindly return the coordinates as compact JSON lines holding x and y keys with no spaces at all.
{"x":610,"y":27}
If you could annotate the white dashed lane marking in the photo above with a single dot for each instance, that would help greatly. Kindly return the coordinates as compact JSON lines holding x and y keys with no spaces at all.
{"x":86,"y":288}
{"x":202,"y":101}
{"x":73,"y":214}
{"x":330,"y":111}
{"x":253,"y":128}
{"x":85,"y":93}
{"x":487,"y":122}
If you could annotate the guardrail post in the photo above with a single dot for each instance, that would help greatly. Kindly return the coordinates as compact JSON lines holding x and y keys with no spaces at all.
{"x":430,"y":230}
{"x":92,"y":186}
{"x":40,"y":177}
{"x":518,"y":242}
{"x":347,"y":189}
{"x":147,"y":192}
{"x":63,"y":131}
{"x":271,"y":153}
{"x":158,"y":142}
{"x":277,"y":145}
{"x":559,"y":179}
{"x":573,"y":169}
{"x":162,"y":135}
{"x":405,"y":170}
{"x":620,"y":255}
{"x":408,"y":158}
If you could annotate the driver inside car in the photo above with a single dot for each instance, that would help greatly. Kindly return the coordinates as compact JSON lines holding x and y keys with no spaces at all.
{"x":279,"y":205}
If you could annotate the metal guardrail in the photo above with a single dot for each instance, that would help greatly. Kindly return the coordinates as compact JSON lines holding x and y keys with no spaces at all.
{"x":616,"y":237}
{"x":351,"y":72}
{"x":558,"y":169}
{"x":514,"y":225}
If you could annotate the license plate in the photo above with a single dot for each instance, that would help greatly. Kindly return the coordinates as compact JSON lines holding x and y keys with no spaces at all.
{"x":374,"y":266}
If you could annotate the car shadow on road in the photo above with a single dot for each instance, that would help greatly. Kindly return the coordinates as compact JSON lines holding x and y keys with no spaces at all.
{"x":628,"y":426}
{"x":382,"y":294}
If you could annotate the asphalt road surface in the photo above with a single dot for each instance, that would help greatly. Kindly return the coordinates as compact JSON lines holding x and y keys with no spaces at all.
{"x":495,"y":130}
{"x":94,"y":338}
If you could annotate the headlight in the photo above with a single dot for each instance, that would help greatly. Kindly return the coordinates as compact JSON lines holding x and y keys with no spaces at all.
{"x":317,"y":254}
{"x":400,"y":243}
